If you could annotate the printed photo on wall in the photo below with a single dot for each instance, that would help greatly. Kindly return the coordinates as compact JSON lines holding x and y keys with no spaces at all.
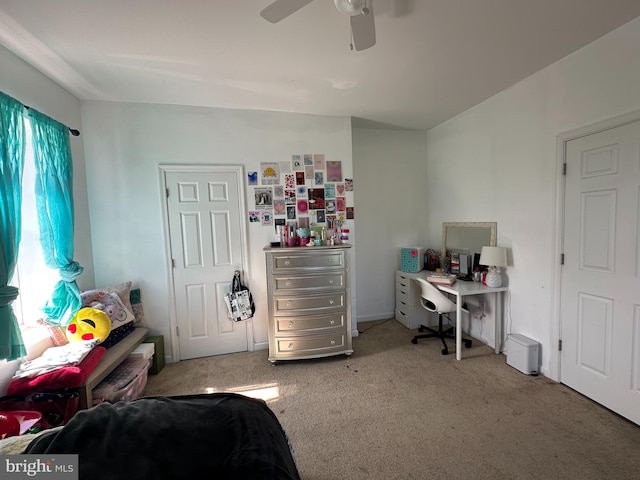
{"x":334,"y":171}
{"x":284,"y":167}
{"x":348,"y":184}
{"x":303,"y":222}
{"x":296,"y":163}
{"x":320,"y":215}
{"x":318,"y":178}
{"x":308,"y":160}
{"x":278,"y":191}
{"x":308,"y":172}
{"x":341,"y":204}
{"x":267,"y":218}
{"x":316,"y":198}
{"x":279,"y":207}
{"x":291,"y":212}
{"x":330,"y":205}
{"x":300,"y":178}
{"x":289,"y":180}
{"x":318,"y":161}
{"x":340,"y":188}
{"x":270,"y":173}
{"x":263,"y":197}
{"x":289,"y":197}
{"x":330,"y":221}
{"x":254,"y":216}
{"x":252,"y":178}
{"x":350,"y":213}
{"x":329,"y":190}
{"x":301,"y":192}
{"x":303,"y":206}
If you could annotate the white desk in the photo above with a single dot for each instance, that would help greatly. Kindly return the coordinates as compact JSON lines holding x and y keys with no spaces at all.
{"x":462,"y":289}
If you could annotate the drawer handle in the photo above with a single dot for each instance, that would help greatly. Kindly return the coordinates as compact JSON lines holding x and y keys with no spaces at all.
{"x":290,"y":345}
{"x":330,"y":260}
{"x":290,"y":324}
{"x":287,"y":262}
{"x":288,"y":284}
{"x":289,"y":303}
{"x":331,"y":302}
{"x":332,"y":322}
{"x":333,"y":342}
{"x":331,"y":282}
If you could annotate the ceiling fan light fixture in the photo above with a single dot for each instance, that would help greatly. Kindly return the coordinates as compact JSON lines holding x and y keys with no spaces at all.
{"x":351,"y":7}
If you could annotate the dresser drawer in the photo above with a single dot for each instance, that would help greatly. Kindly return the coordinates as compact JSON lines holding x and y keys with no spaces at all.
{"x":320,"y":344}
{"x":322,"y":259}
{"x":402,"y":281}
{"x":309,"y":325}
{"x":302,"y":283}
{"x":302,"y":305}
{"x":404,"y":318}
{"x":403,"y":295}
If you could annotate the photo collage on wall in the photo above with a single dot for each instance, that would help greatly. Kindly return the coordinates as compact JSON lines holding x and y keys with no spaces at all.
{"x":305,"y":190}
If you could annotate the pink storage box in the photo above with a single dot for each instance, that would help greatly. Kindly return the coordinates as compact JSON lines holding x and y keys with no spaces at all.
{"x":125,"y":383}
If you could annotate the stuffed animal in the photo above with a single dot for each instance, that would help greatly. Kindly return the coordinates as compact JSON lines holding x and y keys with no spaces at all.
{"x":89,"y":324}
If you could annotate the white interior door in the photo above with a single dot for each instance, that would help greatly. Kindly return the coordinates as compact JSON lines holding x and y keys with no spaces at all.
{"x":600,"y":279}
{"x":205,"y":211}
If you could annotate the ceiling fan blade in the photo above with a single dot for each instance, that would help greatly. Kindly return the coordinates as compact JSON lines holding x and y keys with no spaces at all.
{"x":363,"y":30}
{"x":281,"y":9}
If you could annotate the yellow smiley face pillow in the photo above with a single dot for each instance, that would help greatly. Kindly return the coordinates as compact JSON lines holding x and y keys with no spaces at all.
{"x":89,"y":324}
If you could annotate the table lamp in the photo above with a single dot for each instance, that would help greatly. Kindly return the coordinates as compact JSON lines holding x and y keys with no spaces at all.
{"x":494,"y":258}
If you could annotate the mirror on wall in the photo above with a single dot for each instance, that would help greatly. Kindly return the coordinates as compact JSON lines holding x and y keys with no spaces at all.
{"x":468,"y":237}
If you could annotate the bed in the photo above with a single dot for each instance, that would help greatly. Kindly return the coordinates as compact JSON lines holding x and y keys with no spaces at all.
{"x":220,"y":435}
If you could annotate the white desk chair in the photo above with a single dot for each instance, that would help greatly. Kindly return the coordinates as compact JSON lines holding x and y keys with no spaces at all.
{"x":435,"y":301}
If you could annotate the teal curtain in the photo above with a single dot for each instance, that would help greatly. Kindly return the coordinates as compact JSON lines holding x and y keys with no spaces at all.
{"x":54,"y":204}
{"x":12,"y":141}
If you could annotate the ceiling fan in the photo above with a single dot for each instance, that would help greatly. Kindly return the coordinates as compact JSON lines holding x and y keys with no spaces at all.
{"x":360,"y":12}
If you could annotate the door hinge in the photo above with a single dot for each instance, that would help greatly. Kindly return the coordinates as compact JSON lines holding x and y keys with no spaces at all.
{"x":559,"y":345}
{"x":177,"y":331}
{"x":564,"y":169}
{"x":173,"y":263}
{"x":167,"y":192}
{"x":562,"y":259}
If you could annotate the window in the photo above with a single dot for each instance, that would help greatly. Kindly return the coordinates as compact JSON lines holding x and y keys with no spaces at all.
{"x":32,"y":276}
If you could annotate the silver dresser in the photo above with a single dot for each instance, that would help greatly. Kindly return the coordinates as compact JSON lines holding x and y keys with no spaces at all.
{"x":309,"y":302}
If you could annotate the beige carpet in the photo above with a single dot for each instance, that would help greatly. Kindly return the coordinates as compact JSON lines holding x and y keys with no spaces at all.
{"x":395,"y":410}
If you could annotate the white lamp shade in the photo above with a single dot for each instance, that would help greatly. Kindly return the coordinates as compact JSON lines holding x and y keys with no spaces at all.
{"x":493,"y":256}
{"x":350,"y":7}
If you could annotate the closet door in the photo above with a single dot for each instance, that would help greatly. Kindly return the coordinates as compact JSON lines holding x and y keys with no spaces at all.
{"x":600,"y":328}
{"x":204,"y":219}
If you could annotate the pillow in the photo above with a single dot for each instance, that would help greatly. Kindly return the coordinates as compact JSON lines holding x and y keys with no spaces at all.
{"x":109,"y":303}
{"x":118,"y":334}
{"x":70,"y":376}
{"x":122,"y":289}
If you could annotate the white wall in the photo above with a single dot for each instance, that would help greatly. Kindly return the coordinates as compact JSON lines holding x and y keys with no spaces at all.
{"x":124,"y":145}
{"x":497,"y":162}
{"x":391,"y":212}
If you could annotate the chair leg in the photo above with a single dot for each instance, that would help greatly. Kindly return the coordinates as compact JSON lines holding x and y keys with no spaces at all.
{"x":441,"y":334}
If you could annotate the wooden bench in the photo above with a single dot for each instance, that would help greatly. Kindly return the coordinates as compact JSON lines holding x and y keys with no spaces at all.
{"x":114,"y":357}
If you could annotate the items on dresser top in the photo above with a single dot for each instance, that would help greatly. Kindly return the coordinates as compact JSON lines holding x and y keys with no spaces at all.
{"x":309,"y":302}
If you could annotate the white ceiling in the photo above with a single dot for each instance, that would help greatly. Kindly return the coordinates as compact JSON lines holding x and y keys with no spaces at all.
{"x":433,"y":58}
